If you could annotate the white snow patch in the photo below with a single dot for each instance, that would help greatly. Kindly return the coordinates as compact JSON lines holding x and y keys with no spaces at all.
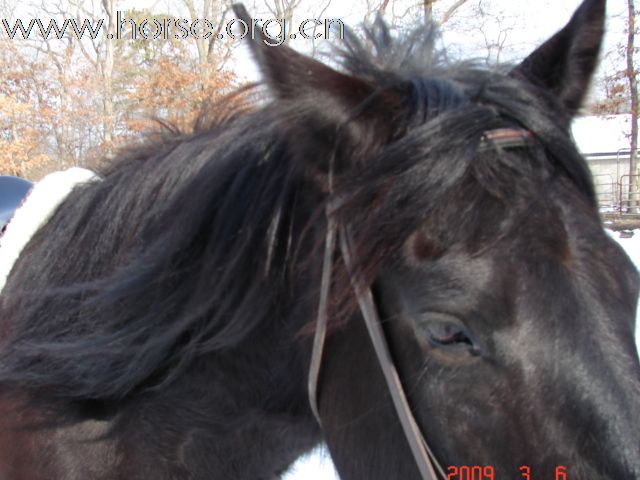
{"x":631,"y":245}
{"x":316,"y":465}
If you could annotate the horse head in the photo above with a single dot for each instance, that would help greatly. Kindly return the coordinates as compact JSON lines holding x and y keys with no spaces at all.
{"x":509,"y":311}
{"x":470,"y":315}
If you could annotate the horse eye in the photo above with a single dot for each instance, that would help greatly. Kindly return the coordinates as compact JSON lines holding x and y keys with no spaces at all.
{"x":448,"y":334}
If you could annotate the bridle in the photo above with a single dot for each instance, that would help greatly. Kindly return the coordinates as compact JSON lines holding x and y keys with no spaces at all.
{"x":426,"y":462}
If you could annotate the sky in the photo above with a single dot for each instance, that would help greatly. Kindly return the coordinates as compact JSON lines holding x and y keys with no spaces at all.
{"x":525,"y":23}
{"x":528,"y":23}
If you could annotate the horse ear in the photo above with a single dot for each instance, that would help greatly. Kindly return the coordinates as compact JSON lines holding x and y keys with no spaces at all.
{"x":565,"y":63}
{"x":292,"y":75}
{"x":332,"y":105}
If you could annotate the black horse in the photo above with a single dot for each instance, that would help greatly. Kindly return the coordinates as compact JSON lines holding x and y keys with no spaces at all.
{"x":160,"y":325}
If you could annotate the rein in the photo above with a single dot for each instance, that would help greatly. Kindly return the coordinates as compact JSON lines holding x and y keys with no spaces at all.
{"x":426,"y":462}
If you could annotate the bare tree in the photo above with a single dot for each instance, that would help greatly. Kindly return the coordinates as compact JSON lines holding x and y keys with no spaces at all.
{"x":445,"y":16}
{"x":633,"y":92}
{"x":402,"y":13}
{"x":289,"y":11}
{"x":105,"y":63}
{"x":56,"y":89}
{"x":212,"y":50}
{"x":495,"y":29}
{"x":97,"y":52}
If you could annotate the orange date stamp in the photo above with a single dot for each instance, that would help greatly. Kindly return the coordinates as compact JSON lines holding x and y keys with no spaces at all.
{"x":487,"y":472}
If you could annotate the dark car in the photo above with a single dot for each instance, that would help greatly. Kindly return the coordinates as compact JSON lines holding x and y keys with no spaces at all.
{"x":12,"y":191}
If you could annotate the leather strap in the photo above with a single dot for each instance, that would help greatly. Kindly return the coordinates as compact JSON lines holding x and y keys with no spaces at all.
{"x":505,"y":138}
{"x":425,"y":459}
{"x":321,"y":323}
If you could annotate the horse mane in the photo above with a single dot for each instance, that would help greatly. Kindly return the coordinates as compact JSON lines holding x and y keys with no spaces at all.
{"x":191,"y":243}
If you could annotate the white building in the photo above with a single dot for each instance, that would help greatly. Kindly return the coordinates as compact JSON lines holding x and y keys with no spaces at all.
{"x":604,"y":141}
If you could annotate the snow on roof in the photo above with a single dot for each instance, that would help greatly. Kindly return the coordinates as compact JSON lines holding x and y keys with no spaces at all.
{"x":602,"y":133}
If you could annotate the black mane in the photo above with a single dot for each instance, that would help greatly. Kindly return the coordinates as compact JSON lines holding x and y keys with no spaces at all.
{"x":188,"y":246}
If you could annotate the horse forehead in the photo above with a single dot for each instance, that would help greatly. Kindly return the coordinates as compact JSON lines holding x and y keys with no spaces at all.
{"x":567,"y":243}
{"x":582,"y":287}
{"x":452,"y":275}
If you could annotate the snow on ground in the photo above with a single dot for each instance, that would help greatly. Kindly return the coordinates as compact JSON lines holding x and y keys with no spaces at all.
{"x":318,"y":466}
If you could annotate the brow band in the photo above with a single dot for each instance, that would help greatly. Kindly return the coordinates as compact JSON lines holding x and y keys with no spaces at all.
{"x":505,"y":138}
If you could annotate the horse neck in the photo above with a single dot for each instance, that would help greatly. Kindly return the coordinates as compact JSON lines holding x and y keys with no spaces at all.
{"x":243,"y":415}
{"x":240,"y":414}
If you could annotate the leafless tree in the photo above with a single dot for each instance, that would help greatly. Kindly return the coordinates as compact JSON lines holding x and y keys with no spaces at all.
{"x":631,"y":75}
